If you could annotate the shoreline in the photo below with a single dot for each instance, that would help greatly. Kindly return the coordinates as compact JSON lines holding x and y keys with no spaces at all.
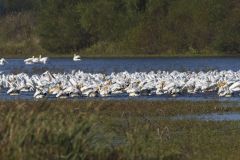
{"x":120,"y":56}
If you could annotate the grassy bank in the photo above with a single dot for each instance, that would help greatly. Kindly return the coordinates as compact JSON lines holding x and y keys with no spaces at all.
{"x":115,"y":130}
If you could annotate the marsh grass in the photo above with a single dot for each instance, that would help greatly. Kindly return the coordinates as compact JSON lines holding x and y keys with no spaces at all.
{"x":115,"y":130}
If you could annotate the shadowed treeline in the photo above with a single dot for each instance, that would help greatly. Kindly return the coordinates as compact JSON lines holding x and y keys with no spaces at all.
{"x":121,"y":27}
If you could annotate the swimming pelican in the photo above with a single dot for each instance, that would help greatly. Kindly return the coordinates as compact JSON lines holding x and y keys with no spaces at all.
{"x":78,"y":83}
{"x":43,"y":59}
{"x":33,"y":60}
{"x":13,"y":91}
{"x":76,"y":58}
{"x":39,"y":94}
{"x":2,"y":61}
{"x":29,"y":60}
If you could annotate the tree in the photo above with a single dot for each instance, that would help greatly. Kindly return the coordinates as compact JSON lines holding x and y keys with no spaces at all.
{"x":59,"y":27}
{"x":106,"y":20}
{"x":7,"y":6}
{"x":228,"y":39}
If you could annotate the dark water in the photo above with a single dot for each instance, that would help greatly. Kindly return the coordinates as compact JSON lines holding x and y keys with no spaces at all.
{"x":125,"y":97}
{"x":109,"y":65}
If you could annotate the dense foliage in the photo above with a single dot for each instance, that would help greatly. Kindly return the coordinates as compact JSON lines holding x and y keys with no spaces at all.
{"x":7,"y":6}
{"x":134,"y":26}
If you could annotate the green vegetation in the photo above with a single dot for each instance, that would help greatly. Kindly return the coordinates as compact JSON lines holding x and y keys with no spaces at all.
{"x":120,"y":27}
{"x":17,"y":35}
{"x":115,"y":130}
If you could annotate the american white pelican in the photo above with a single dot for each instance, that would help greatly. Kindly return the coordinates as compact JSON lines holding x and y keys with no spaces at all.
{"x":90,"y":90}
{"x":2,"y":61}
{"x":78,"y":83}
{"x":30,"y":60}
{"x":39,"y":94}
{"x":34,"y":60}
{"x":43,"y":59}
{"x":61,"y":94}
{"x":133,"y":89}
{"x":13,"y":91}
{"x":76,"y":57}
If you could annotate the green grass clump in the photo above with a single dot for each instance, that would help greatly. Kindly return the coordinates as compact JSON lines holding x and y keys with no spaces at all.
{"x":46,"y":133}
{"x":75,"y":130}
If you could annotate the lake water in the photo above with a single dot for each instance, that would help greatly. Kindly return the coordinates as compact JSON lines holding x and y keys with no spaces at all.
{"x":109,"y":65}
{"x":210,"y":117}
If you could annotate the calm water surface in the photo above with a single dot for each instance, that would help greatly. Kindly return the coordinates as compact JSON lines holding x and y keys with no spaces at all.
{"x":210,"y":117}
{"x":109,"y":65}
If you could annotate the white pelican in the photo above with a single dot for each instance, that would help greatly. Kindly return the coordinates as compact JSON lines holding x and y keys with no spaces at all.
{"x":133,"y":89}
{"x":76,"y":58}
{"x":2,"y":61}
{"x":13,"y":91}
{"x":30,"y":60}
{"x":43,"y":59}
{"x":33,"y":60}
{"x":78,"y":83}
{"x":39,"y":94}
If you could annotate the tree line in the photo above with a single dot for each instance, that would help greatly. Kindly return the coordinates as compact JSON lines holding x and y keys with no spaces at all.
{"x":139,"y":26}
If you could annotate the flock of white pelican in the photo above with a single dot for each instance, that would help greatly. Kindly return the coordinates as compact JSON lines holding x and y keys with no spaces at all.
{"x":78,"y":83}
{"x":40,"y":59}
{"x":34,"y":60}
